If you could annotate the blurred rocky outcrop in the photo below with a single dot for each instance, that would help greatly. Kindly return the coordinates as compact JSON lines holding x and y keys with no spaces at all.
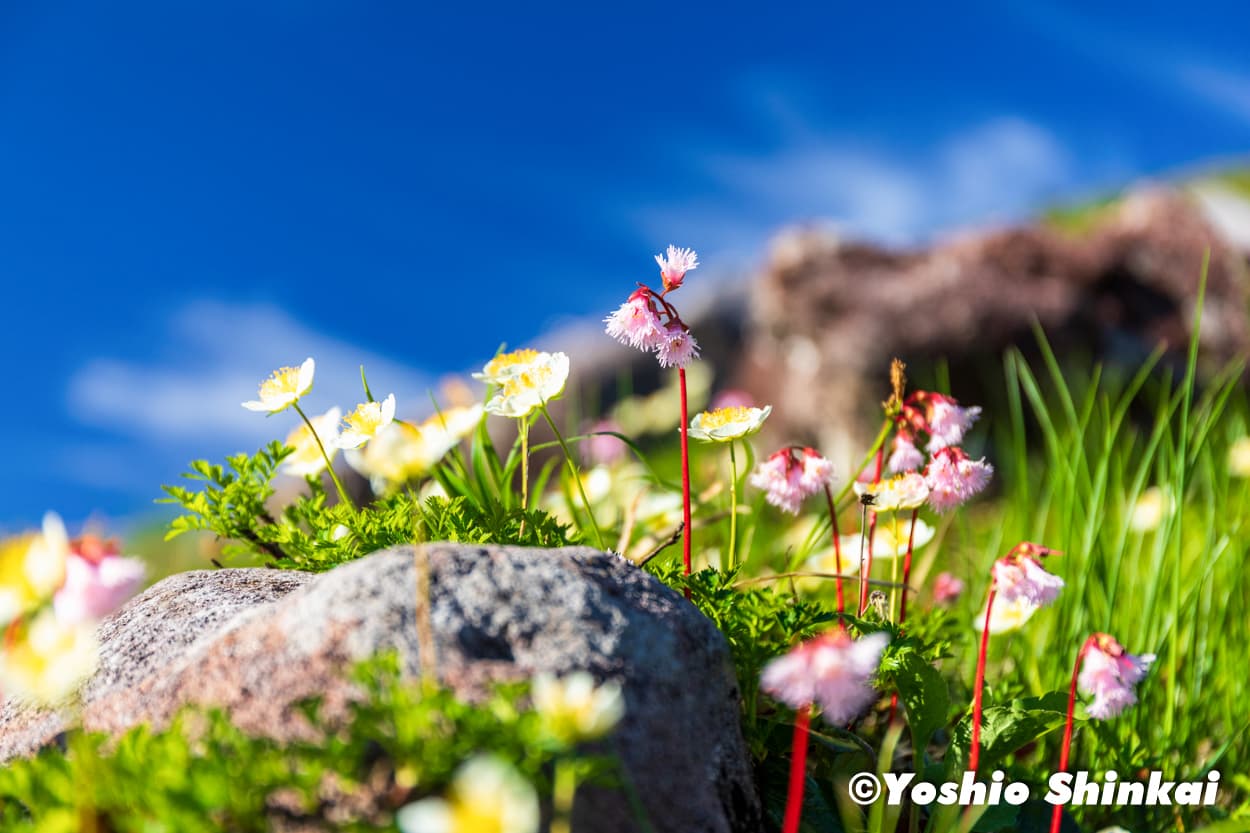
{"x":826,"y":316}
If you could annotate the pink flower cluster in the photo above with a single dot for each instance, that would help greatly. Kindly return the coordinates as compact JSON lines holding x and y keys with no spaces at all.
{"x":97,"y":581}
{"x":1019,"y":575}
{"x":792,"y":475}
{"x":953,"y":477}
{"x":1109,"y":674}
{"x":937,"y":415}
{"x":832,"y":671}
{"x":647,"y":321}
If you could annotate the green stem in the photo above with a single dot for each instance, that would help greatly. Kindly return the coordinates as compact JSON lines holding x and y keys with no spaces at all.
{"x":894,"y":565}
{"x":733,"y":508}
{"x":338,"y":484}
{"x":563,"y":791}
{"x":876,"y":446}
{"x":577,"y":478}
{"x":524,"y":424}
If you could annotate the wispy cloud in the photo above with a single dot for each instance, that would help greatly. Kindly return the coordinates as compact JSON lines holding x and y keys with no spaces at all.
{"x":1226,"y":88}
{"x":222,"y":352}
{"x":999,"y":169}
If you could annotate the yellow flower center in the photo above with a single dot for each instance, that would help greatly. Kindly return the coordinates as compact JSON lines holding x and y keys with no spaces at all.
{"x":506,"y":361}
{"x":366,"y":419}
{"x":283,"y":380}
{"x":725,"y":416}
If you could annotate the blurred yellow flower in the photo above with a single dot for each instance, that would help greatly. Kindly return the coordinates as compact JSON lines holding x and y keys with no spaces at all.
{"x":284,"y":388}
{"x":364,"y":423}
{"x":526,"y":386}
{"x":504,"y":365}
{"x":574,"y":709}
{"x":1239,"y":457}
{"x":402,"y":452}
{"x":48,"y":659}
{"x":487,"y":795}
{"x":1006,"y":615}
{"x":32,"y":568}
{"x":728,"y":424}
{"x":1149,"y":510}
{"x":890,"y":540}
{"x":308,"y":459}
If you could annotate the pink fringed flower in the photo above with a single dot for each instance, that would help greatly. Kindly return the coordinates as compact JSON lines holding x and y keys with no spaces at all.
{"x":674,"y":267}
{"x":602,"y":449}
{"x":790,"y":476}
{"x":832,"y":671}
{"x":947,"y":588}
{"x":636,"y":323}
{"x":947,"y":422}
{"x":817,"y":471}
{"x":1019,"y":575}
{"x":904,"y":456}
{"x":97,"y":582}
{"x":953,"y":478}
{"x":677,"y":348}
{"x":778,"y":477}
{"x":1109,"y":674}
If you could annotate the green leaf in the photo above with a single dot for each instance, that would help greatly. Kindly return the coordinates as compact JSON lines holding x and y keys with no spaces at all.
{"x":1004,"y":729}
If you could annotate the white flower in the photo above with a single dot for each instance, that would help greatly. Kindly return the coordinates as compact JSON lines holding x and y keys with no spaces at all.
{"x":884,"y":542}
{"x":47,"y":659}
{"x":1006,"y":615}
{"x":1150,"y":509}
{"x":487,"y":795}
{"x":402,"y":452}
{"x":307,"y":459}
{"x":32,"y":567}
{"x":903,"y":491}
{"x":728,"y":424}
{"x":1239,"y":458}
{"x":364,"y":423}
{"x":505,"y":365}
{"x":284,"y":388}
{"x":574,"y":709}
{"x":528,"y":386}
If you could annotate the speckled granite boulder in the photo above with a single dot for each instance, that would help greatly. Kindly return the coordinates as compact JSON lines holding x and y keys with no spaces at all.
{"x":257,"y":641}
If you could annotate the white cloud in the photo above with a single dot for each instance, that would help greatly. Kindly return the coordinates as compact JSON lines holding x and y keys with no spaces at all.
{"x":1226,"y":89}
{"x":220,"y":352}
{"x":1000,"y":169}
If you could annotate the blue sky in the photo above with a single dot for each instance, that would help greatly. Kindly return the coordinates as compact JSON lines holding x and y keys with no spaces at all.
{"x":196,"y":192}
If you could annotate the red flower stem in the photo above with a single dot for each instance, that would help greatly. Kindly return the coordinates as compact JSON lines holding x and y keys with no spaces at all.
{"x":911,"y":543}
{"x":685,"y":476}
{"x":974,"y":753}
{"x":837,"y":546}
{"x":798,"y":771}
{"x":865,"y":570}
{"x":1056,"y":815}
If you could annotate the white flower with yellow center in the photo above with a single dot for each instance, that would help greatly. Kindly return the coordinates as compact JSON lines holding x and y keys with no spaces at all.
{"x":1239,"y":458}
{"x":890,"y":540}
{"x":903,"y":491}
{"x":574,"y":709}
{"x":504,"y":365}
{"x":284,"y":388}
{"x":308,"y":459}
{"x":725,"y":425}
{"x":402,"y":452}
{"x":1006,"y":615}
{"x":525,"y":387}
{"x":487,"y":795}
{"x":48,"y":659}
{"x":32,"y":568}
{"x":364,"y":423}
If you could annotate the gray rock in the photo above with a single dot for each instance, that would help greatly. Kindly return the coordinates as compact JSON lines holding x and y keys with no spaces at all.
{"x":258,"y":641}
